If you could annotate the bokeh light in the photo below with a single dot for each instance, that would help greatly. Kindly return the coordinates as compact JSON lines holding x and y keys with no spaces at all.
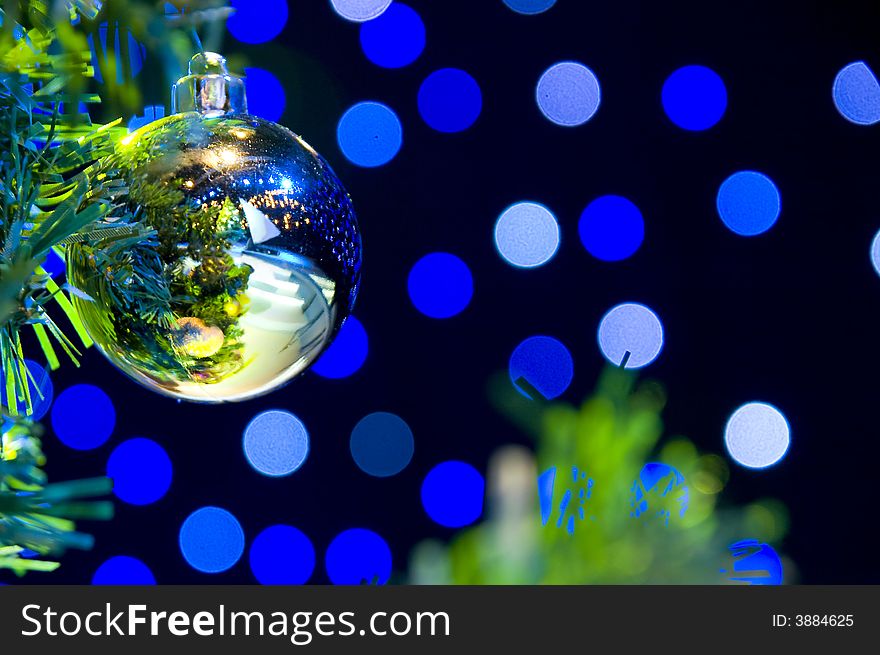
{"x":541,"y":365}
{"x":694,"y":98}
{"x":440,"y":285}
{"x":151,"y":114}
{"x":369,"y":134}
{"x":141,"y":471}
{"x":276,"y":443}
{"x":40,"y":388}
{"x":856,"y":94}
{"x":347,"y":354}
{"x":568,"y":94}
{"x":124,"y":571}
{"x":749,"y":203}
{"x":282,"y":555}
{"x":571,"y":504}
{"x":611,"y":228}
{"x":452,"y":494}
{"x":757,"y":435}
{"x":546,"y":486}
{"x":395,"y":39}
{"x":754,"y":563}
{"x":358,"y":556}
{"x":660,"y":491}
{"x":360,"y":10}
{"x":382,"y":444}
{"x":54,"y":264}
{"x":265,"y":94}
{"x":530,"y":7}
{"x":450,"y":100}
{"x":875,"y":252}
{"x":527,"y":235}
{"x":257,"y":21}
{"x":83,"y":417}
{"x":211,"y":540}
{"x":630,"y":335}
{"x":137,"y":53}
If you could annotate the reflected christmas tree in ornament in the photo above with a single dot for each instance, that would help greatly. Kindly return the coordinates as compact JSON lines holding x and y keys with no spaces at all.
{"x":255,"y":257}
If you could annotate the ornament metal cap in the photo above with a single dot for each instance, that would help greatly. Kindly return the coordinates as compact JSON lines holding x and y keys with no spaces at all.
{"x":209,"y":89}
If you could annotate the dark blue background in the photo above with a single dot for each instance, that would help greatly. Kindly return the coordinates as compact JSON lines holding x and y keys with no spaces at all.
{"x":790,"y":317}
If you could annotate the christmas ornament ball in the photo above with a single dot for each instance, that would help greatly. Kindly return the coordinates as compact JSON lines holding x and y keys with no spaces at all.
{"x":254,"y":258}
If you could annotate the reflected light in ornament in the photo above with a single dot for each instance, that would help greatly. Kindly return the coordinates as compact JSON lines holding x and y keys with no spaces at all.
{"x":541,"y":367}
{"x":196,"y":339}
{"x":369,"y":134}
{"x":452,"y":494}
{"x":282,"y":555}
{"x":440,"y":285}
{"x":694,"y":98}
{"x":395,"y":39}
{"x":630,"y":335}
{"x":141,"y":471}
{"x":757,"y":435}
{"x":123,"y":571}
{"x":276,"y":443}
{"x":527,"y":235}
{"x":83,"y":417}
{"x":382,"y":444}
{"x":266,"y":97}
{"x":346,"y":354}
{"x":257,"y":21}
{"x":568,"y":94}
{"x":359,"y":11}
{"x":450,"y":100}
{"x":856,"y":94}
{"x":358,"y":556}
{"x":749,"y":203}
{"x":211,"y":540}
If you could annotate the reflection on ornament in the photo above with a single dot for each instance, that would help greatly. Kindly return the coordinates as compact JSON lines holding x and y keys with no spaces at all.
{"x":256,"y":257}
{"x":196,"y":339}
{"x":236,"y":306}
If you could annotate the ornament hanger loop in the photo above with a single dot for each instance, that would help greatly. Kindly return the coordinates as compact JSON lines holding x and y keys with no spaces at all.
{"x":209,"y":89}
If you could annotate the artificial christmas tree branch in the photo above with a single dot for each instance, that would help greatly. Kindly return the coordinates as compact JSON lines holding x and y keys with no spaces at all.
{"x":55,"y":189}
{"x":53,"y":186}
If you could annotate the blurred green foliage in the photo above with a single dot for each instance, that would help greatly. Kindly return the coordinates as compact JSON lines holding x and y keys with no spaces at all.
{"x":36,"y":519}
{"x":170,"y":39}
{"x":611,"y":436}
{"x":55,"y":189}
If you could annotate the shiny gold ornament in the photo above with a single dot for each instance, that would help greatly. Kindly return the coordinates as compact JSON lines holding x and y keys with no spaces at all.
{"x":256,"y":257}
